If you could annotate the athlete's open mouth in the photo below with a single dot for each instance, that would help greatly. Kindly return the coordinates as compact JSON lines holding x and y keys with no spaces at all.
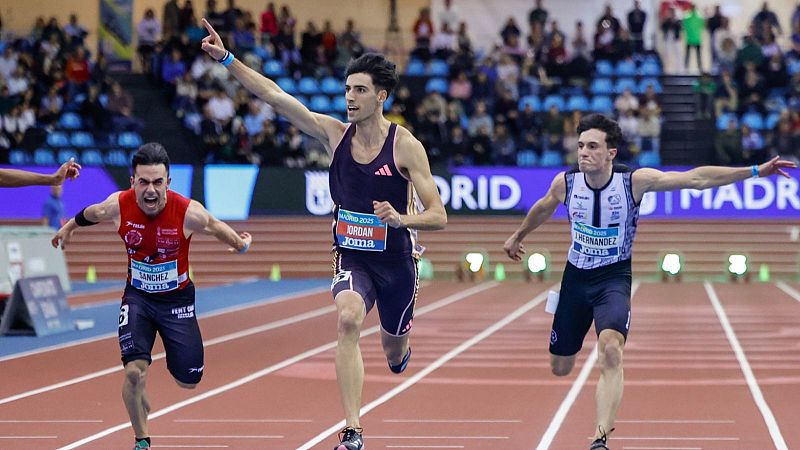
{"x":150,"y":201}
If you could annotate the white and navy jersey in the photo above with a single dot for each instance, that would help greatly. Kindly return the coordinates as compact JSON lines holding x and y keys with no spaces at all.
{"x":603,"y":221}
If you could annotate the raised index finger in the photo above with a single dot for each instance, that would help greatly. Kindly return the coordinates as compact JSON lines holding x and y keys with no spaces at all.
{"x":209,"y":27}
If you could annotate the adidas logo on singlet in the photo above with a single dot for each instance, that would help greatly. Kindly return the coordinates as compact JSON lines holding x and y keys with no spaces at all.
{"x":384,"y":171}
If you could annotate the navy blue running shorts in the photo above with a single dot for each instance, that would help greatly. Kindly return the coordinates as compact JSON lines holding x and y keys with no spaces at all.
{"x":602,"y":295}
{"x":389,"y":282}
{"x":172,"y":315}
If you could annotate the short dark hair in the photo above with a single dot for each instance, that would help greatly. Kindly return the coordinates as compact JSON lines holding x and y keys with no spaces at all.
{"x":602,"y":123}
{"x":382,"y":71}
{"x":150,"y":154}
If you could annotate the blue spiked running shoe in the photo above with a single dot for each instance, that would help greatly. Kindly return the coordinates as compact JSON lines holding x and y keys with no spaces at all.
{"x":350,"y":439}
{"x":403,"y":364}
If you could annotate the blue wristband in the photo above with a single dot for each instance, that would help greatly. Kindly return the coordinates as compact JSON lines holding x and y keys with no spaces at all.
{"x":754,"y":171}
{"x":227,"y":60}
{"x":244,"y":250}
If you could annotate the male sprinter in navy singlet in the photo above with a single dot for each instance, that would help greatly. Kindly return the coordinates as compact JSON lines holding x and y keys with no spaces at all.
{"x":156,"y":225}
{"x":376,"y":170}
{"x":602,"y":200}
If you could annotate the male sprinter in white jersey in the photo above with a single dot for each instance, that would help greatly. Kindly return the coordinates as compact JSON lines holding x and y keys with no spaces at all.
{"x":376,"y":168}
{"x":602,"y":200}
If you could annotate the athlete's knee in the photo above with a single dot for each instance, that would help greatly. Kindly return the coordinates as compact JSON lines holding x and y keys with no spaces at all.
{"x":135,"y":374}
{"x":611,"y":355}
{"x":561,"y":365}
{"x":351,"y":314}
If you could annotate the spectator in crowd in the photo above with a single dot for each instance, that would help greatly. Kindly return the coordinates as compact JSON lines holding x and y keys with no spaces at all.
{"x":459,"y":147}
{"x":510,"y":31}
{"x":726,"y":98}
{"x":461,"y":88}
{"x":53,"y":208}
{"x":185,"y":95}
{"x":538,"y":14}
{"x":214,"y":138}
{"x":481,"y":146}
{"x":704,"y":89}
{"x":569,"y":142}
{"x":423,"y":31}
{"x":636,"y":22}
{"x":266,"y":146}
{"x":480,"y":120}
{"x":693,"y":26}
{"x":75,"y":33}
{"x":214,"y":17}
{"x":671,"y":32}
{"x":328,"y":41}
{"x":776,"y":74}
{"x":18,"y":82}
{"x":608,"y":20}
{"x":93,"y":112}
{"x":120,"y":105}
{"x":715,"y":23}
{"x":243,"y":37}
{"x":222,"y":108}
{"x":269,"y":24}
{"x":449,"y":15}
{"x":629,"y":124}
{"x":556,"y":60}
{"x":395,"y":115}
{"x":170,"y":21}
{"x":294,"y":148}
{"x":172,"y":70}
{"x":784,"y":141}
{"x":77,"y":72}
{"x":149,"y":34}
{"x":232,"y":14}
{"x":50,"y":108}
{"x":752,"y":91}
{"x":649,"y":130}
{"x":726,"y":52}
{"x":503,"y":146}
{"x":443,"y":42}
{"x":728,"y":145}
{"x":8,"y":62}
{"x":186,"y":17}
{"x":752,"y":146}
{"x":765,"y":23}
{"x":580,"y":46}
{"x":626,"y":102}
{"x":553,"y":124}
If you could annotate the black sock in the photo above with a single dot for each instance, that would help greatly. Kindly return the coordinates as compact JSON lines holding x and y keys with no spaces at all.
{"x":136,"y":439}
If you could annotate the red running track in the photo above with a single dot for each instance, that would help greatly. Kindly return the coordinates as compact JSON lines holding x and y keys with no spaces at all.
{"x":708,"y":366}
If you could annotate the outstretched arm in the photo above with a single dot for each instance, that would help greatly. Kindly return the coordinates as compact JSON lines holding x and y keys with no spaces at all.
{"x":17,"y":178}
{"x":324,"y":128}
{"x":107,"y":210}
{"x":646,"y":179}
{"x":542,"y":210}
{"x":199,"y":219}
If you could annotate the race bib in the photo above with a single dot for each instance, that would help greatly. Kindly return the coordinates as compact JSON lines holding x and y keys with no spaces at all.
{"x":155,"y":277}
{"x":359,"y":231}
{"x":590,"y":241}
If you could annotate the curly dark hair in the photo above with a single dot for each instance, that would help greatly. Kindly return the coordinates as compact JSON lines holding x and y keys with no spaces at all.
{"x":382,"y":71}
{"x":605,"y":124}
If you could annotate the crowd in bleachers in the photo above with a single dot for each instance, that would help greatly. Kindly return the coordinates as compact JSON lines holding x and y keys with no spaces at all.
{"x":57,"y":102}
{"x":753,"y":89}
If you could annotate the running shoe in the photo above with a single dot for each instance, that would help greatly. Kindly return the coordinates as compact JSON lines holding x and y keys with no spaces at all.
{"x":350,"y":439}
{"x":403,"y":364}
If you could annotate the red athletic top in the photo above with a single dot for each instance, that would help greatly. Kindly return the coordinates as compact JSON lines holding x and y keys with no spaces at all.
{"x":158,"y":251}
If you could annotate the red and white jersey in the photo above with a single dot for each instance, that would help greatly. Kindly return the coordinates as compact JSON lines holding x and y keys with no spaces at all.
{"x":158,"y":251}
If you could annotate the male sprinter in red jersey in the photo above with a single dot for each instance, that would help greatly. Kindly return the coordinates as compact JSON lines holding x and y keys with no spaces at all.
{"x":376,"y":169}
{"x":156,"y":225}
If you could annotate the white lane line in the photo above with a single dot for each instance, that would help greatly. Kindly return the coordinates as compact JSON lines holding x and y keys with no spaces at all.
{"x":254,"y":304}
{"x":494,"y":438}
{"x":572,"y":395}
{"x":242,"y":421}
{"x":53,"y":421}
{"x":275,"y":367}
{"x":676,"y":438}
{"x":661,"y":448}
{"x":189,"y":446}
{"x":430,"y":368}
{"x":752,"y":383}
{"x":450,"y":421}
{"x":425,"y":446}
{"x":677,"y":421}
{"x":789,"y":290}
{"x":28,"y":437}
{"x":216,"y":436}
{"x":206,"y":344}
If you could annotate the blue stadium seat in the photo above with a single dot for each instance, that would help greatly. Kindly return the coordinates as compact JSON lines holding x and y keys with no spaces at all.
{"x":262,"y":53}
{"x":44,"y":157}
{"x":65,"y":154}
{"x":794,"y":67}
{"x":649,"y":81}
{"x":308,"y":86}
{"x":527,"y":158}
{"x":57,"y":139}
{"x":436,"y":85}
{"x":601,"y":104}
{"x":287,"y":84}
{"x":603,"y":68}
{"x":18,"y":157}
{"x":70,"y":121}
{"x":81,"y":139}
{"x":772,"y":121}
{"x":129,"y":139}
{"x":550,"y":158}
{"x":274,"y":68}
{"x":331,"y":86}
{"x":723,"y":119}
{"x":91,"y":157}
{"x":649,"y":159}
{"x":578,"y":103}
{"x":320,"y":103}
{"x":602,"y":86}
{"x":388,"y":102}
{"x":775,"y":104}
{"x":415,"y":68}
{"x":625,"y":83}
{"x":753,"y":120}
{"x":116,"y":157}
{"x":339,"y":104}
{"x":438,"y":68}
{"x":553,"y":100}
{"x":650,"y":68}
{"x":626,"y":68}
{"x":536,"y":104}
